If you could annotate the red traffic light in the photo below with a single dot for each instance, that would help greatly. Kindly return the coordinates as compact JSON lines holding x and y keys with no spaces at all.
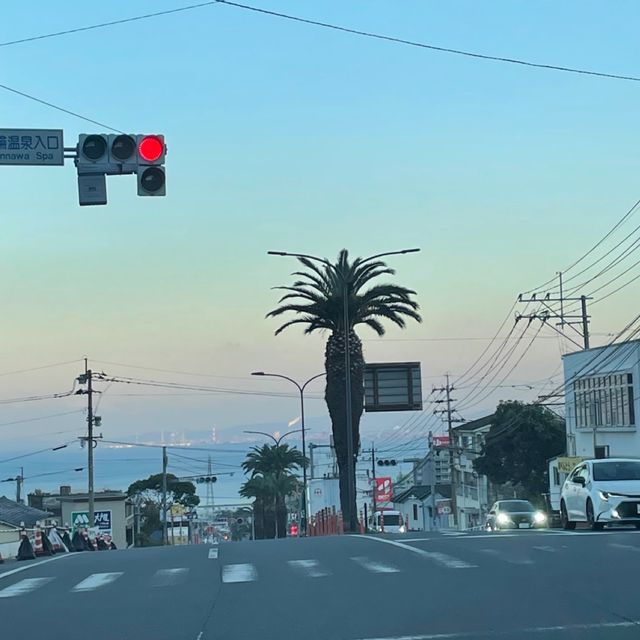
{"x":151,"y":148}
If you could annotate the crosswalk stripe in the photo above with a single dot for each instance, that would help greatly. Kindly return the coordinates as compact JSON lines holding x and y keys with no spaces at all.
{"x":168,"y":577}
{"x":97,"y":580}
{"x":311,"y":568}
{"x":22,"y":587}
{"x":374,"y":565}
{"x":495,"y":552}
{"x":626,"y":547}
{"x":543,"y":547}
{"x":239,"y":573}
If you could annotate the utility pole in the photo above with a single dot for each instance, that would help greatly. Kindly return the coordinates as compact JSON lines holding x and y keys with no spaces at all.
{"x":165,"y":539}
{"x":448,"y":388}
{"x":432,"y":480}
{"x":373,"y":476}
{"x":90,"y":440}
{"x":570,"y":320}
{"x":19,"y":481}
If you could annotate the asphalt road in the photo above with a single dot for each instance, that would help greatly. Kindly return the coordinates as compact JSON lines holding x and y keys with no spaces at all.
{"x":552,"y":585}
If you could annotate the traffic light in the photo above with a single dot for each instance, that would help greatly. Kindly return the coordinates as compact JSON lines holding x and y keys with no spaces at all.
{"x":206,"y":479}
{"x":102,"y":154}
{"x":387,"y":463}
{"x":151,"y":173}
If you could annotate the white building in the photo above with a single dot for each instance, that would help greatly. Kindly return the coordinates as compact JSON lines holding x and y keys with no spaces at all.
{"x":472,"y":488}
{"x":602,"y":408}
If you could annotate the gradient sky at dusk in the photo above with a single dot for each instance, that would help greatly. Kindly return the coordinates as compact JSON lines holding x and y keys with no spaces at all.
{"x":287,"y":136}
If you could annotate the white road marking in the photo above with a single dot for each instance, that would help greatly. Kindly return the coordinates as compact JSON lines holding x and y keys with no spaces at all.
{"x":239,"y":573}
{"x":545,"y":548}
{"x":97,"y":580}
{"x":213,"y":554}
{"x":35,"y":564}
{"x":22,"y":587}
{"x":375,"y":566}
{"x":440,"y":558}
{"x":311,"y":568}
{"x":516,"y":632}
{"x":453,"y":533}
{"x":495,"y":552}
{"x":626,"y":547}
{"x":168,"y":577}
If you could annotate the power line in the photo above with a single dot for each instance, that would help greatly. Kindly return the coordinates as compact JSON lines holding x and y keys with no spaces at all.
{"x":422,"y":45}
{"x":103,"y":25}
{"x":334,"y":27}
{"x":44,"y":366}
{"x":58,"y":108}
{"x":52,"y":415}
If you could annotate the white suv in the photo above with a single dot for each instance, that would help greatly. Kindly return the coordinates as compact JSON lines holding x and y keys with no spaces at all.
{"x":602,"y":492}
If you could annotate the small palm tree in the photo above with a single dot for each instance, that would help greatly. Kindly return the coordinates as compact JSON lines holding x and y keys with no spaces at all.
{"x":317,"y":299}
{"x":271,"y":481}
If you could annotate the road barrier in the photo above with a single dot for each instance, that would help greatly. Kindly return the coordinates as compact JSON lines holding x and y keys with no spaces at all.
{"x":326,"y":522}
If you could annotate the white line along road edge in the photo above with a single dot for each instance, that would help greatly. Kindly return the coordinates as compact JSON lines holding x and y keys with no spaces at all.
{"x":515,"y":633}
{"x":440,"y":558}
{"x":35,"y":564}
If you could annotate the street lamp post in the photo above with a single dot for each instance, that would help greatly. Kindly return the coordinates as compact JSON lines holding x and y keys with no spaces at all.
{"x":351,"y":490}
{"x":301,"y":388}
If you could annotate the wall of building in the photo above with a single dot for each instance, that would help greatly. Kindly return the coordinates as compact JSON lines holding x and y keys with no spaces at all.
{"x":605,"y":361}
{"x":119,"y":521}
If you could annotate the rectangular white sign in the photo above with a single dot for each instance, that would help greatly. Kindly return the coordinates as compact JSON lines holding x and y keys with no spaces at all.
{"x":31,"y":147}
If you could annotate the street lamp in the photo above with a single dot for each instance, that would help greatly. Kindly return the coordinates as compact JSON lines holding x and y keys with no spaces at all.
{"x":347,"y":359}
{"x":268,"y":435}
{"x":301,"y":388}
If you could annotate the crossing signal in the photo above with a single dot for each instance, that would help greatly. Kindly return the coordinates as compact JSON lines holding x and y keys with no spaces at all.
{"x":206,"y":479}
{"x":387,"y":463}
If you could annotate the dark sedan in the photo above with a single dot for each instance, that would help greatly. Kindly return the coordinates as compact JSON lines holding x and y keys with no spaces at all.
{"x":515,"y":514}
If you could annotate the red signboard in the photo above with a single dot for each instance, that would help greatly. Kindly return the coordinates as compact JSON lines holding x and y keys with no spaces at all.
{"x":440,"y":441}
{"x":384,"y":490}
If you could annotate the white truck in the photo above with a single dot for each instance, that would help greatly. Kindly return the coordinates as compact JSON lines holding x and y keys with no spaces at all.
{"x":388,"y":521}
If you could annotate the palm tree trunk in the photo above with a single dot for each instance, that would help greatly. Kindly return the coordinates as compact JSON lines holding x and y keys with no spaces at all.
{"x":336,"y":403}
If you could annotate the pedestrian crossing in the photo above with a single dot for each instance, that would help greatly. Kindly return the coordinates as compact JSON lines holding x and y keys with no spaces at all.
{"x":474,"y":558}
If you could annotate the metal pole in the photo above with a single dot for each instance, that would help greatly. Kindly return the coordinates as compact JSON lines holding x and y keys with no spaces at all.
{"x":432,"y":481}
{"x":88,"y":373}
{"x":348,"y":403}
{"x":454,"y":499}
{"x":561,"y":301}
{"x":585,"y":321}
{"x":373,"y":476}
{"x":303,"y":524}
{"x":165,"y":539}
{"x":19,"y":481}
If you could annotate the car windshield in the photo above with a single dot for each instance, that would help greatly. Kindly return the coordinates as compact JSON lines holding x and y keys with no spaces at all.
{"x":392,"y":519}
{"x":514,"y":506}
{"x":623,"y":470}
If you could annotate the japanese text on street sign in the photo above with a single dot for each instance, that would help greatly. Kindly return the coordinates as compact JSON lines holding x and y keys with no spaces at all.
{"x":31,"y":147}
{"x":102,"y":520}
{"x":383,"y":489}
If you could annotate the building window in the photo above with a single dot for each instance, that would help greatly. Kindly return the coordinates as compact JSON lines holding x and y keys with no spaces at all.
{"x":415,"y":511}
{"x":604,"y":401}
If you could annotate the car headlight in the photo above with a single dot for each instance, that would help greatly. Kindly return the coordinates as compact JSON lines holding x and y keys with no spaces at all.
{"x":604,"y":495}
{"x":503,"y":518}
{"x":401,"y":528}
{"x":539,"y":517}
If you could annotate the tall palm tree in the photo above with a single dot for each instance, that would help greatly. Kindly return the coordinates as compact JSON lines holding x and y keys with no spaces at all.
{"x":271,"y":481}
{"x":317,"y":300}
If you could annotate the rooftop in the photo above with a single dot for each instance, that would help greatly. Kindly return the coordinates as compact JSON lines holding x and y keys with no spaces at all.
{"x":14,"y":513}
{"x":474,"y":425}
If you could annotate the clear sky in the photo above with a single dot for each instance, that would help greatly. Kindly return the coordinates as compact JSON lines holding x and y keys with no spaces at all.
{"x":287,"y":136}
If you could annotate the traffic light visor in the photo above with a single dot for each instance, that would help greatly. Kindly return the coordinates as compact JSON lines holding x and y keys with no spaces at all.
{"x":151,"y":148}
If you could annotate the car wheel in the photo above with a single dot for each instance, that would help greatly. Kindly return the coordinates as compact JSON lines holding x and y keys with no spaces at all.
{"x":591,"y":518}
{"x":567,"y":525}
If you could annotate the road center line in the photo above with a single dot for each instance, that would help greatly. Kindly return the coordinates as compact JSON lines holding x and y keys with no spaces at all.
{"x":440,"y":558}
{"x":515,"y":632}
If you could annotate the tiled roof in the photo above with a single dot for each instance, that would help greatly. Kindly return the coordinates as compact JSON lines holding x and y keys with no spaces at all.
{"x":14,"y":513}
